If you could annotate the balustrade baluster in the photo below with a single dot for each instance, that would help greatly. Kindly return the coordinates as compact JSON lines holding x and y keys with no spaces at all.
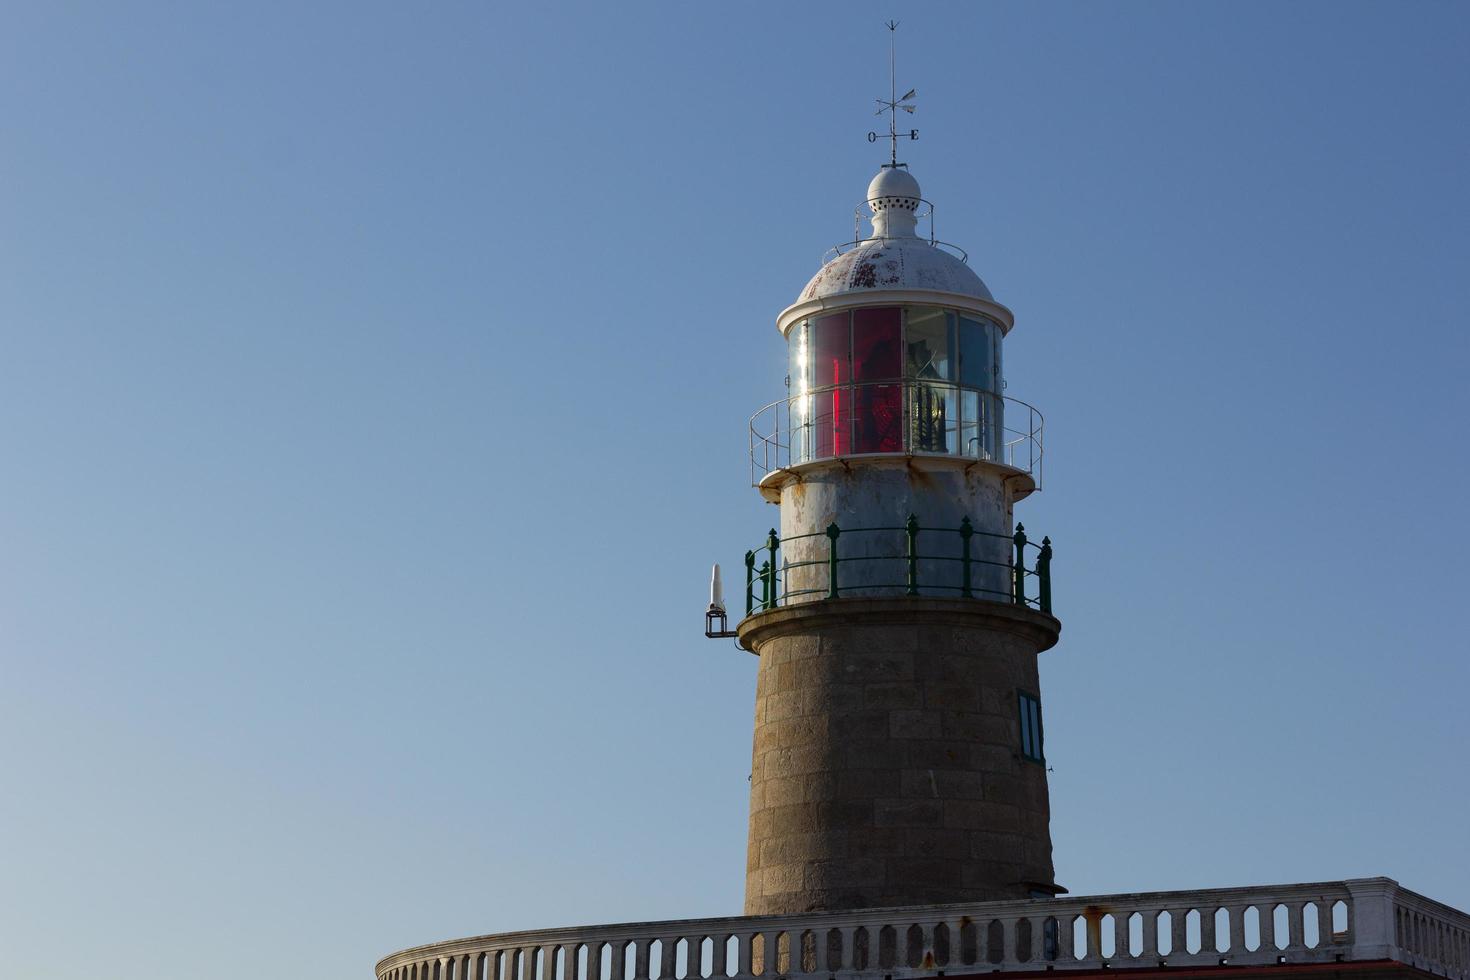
{"x":1150,"y":948}
{"x":1066,"y":952}
{"x":1007,"y":941}
{"x":743,"y":945}
{"x":847,"y":946}
{"x":1206,"y":933}
{"x":640,"y":958}
{"x":926,"y":944}
{"x":1120,"y":935}
{"x":720,"y":953}
{"x":1179,"y":932}
{"x":1030,"y":951}
{"x":1234,"y":938}
{"x":1296,"y":933}
{"x":1266,"y":920}
{"x":1238,"y":946}
{"x":768,"y":953}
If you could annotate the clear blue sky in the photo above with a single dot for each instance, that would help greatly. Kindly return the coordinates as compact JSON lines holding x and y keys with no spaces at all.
{"x":373,"y":382}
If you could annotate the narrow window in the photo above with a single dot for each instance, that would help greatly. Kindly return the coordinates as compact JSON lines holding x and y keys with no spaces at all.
{"x":1030,"y":710}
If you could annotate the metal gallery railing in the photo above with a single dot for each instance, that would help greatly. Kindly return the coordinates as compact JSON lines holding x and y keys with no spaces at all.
{"x":769,"y":579}
{"x":865,"y":212}
{"x":1363,"y":920}
{"x":911,"y":417}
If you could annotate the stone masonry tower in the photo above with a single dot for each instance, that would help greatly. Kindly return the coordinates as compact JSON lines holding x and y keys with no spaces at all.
{"x":898,"y":612}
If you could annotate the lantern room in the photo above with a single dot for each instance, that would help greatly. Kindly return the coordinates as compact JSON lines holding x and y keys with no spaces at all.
{"x":894,"y":348}
{"x":895,"y":379}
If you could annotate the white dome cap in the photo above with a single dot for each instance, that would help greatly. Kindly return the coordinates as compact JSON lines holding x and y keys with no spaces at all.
{"x":895,"y":258}
{"x":895,"y":263}
{"x":893,"y":196}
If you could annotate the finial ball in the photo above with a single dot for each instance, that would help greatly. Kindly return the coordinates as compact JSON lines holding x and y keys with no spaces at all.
{"x":893,"y":188}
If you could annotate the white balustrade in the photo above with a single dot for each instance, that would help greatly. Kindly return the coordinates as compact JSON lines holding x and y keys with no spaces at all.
{"x":1361,"y":919}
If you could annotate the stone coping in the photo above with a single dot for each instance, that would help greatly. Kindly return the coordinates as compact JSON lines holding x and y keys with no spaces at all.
{"x":1039,"y":628}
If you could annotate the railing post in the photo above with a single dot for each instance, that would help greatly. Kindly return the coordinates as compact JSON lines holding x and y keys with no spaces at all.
{"x":1018,"y":595}
{"x":967,"y":531}
{"x":832,"y":532}
{"x":772,"y":543}
{"x":1043,"y":576}
{"x":749,"y":582}
{"x":912,"y":529}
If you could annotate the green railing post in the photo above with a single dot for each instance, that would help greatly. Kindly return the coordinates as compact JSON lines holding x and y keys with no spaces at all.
{"x":1043,"y":576}
{"x":912,"y":528}
{"x":765,"y":585}
{"x":967,"y":531}
{"x":749,"y":582}
{"x":772,"y":543}
{"x":832,"y":532}
{"x":1018,"y":596}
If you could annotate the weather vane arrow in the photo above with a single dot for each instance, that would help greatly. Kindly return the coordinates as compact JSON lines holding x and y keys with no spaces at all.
{"x":894,"y":103}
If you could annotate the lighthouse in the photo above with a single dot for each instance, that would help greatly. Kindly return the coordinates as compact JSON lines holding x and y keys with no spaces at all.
{"x":899,"y":815}
{"x":897,"y":608}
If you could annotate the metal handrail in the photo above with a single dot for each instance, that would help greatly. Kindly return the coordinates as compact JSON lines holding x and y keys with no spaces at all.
{"x":865,"y":211}
{"x":1021,"y":448}
{"x":842,"y":248}
{"x":767,"y":586}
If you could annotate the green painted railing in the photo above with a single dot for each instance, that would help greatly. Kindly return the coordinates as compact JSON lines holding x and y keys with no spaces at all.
{"x":766,"y":583}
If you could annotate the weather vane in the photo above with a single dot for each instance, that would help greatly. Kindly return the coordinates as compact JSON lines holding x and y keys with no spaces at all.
{"x":893,"y":103}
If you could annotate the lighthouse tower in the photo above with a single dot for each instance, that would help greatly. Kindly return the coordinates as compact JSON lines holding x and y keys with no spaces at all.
{"x":899,"y":819}
{"x":898,"y":610}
